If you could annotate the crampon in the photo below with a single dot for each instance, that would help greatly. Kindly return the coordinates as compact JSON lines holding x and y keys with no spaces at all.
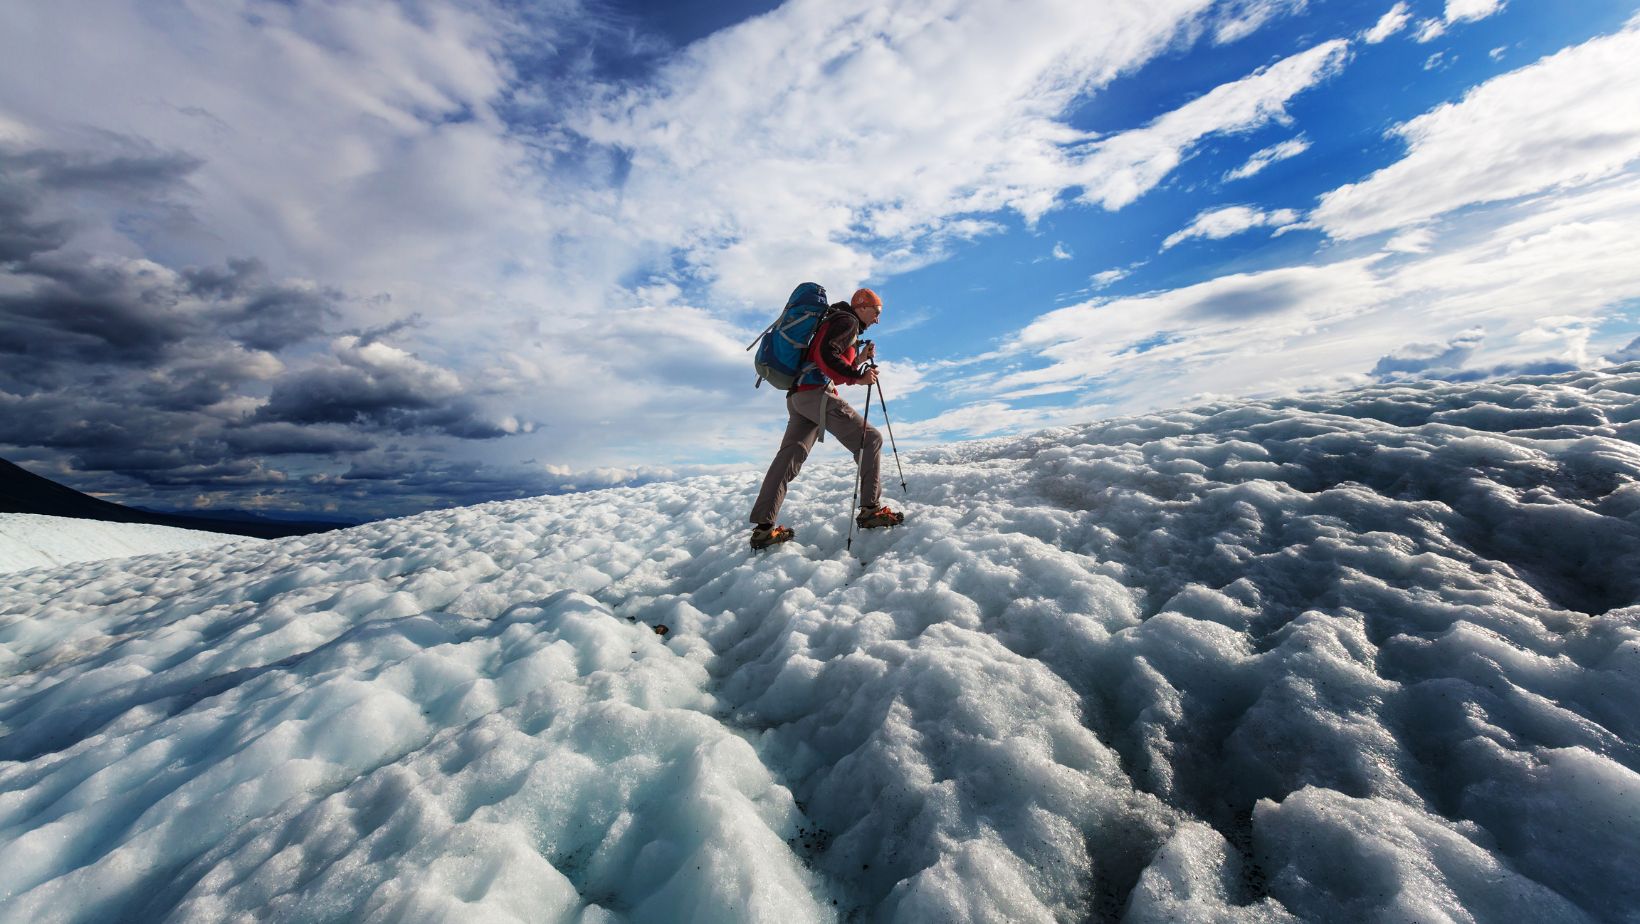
{"x":873,"y":517}
{"x":774,"y":535}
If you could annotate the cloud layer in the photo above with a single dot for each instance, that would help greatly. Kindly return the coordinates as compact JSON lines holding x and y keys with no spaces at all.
{"x":1562,"y":122}
{"x":1219,"y":223}
{"x":453,"y":165}
{"x":315,"y":250}
{"x":1523,"y":295}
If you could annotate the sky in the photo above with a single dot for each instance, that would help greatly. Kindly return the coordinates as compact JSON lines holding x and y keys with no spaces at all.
{"x":369,"y":258}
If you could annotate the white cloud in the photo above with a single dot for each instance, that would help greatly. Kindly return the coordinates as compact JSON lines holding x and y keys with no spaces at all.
{"x":1457,"y":11}
{"x":1415,"y":359}
{"x":901,"y":379}
{"x":811,"y":139}
{"x":376,"y":148}
{"x":1548,"y":257}
{"x":360,"y":144}
{"x":363,"y":145}
{"x":1219,"y":223}
{"x":1519,"y":290}
{"x":1390,"y":23}
{"x":1292,"y":147}
{"x":1629,"y":353}
{"x":902,"y":158}
{"x":1471,"y":10}
{"x":1416,"y":240}
{"x":1109,"y":277}
{"x":1123,"y":167}
{"x":1061,"y":252}
{"x":315,"y":125}
{"x":1561,"y":122}
{"x":1242,"y":18}
{"x":1146,"y":340}
{"x":1565,"y":337}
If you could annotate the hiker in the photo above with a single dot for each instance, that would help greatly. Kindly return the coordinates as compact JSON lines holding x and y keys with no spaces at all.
{"x":833,"y":356}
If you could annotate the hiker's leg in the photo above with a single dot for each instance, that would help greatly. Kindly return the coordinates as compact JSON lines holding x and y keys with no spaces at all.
{"x":794,"y":450}
{"x":863,"y":440}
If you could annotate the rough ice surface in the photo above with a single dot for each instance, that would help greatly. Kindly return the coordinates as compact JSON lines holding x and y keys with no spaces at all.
{"x":1370,"y":656}
{"x":31,"y":540}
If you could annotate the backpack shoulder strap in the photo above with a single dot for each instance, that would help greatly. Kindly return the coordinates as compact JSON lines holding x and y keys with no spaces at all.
{"x":822,"y":329}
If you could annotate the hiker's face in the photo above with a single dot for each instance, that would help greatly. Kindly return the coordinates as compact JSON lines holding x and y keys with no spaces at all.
{"x":869,"y":314}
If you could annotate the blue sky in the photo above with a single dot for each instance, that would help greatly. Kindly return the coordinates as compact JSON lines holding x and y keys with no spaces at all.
{"x":373,"y":257}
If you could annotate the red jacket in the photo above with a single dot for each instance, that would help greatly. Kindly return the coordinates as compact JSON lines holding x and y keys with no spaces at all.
{"x":834,"y":351}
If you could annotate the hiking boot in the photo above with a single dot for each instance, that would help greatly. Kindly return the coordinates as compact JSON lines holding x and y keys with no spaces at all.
{"x":872,"y":517}
{"x":774,"y":535}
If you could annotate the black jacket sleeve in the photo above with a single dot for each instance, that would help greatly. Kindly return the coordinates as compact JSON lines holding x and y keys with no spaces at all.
{"x":842,"y":328}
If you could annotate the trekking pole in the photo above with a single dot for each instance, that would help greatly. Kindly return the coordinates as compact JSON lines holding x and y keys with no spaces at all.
{"x":849,"y":545}
{"x":884,"y":402}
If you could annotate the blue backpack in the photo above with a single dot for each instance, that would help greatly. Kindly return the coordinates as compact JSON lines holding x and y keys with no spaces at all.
{"x":782,"y":346}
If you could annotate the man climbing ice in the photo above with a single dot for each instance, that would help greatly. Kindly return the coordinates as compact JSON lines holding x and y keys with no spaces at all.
{"x":834,"y":357}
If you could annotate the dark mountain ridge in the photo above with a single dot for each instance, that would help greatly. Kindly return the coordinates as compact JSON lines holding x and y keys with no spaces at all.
{"x":22,"y":491}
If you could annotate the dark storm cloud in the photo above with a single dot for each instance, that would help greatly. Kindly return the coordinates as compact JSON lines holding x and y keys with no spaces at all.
{"x":158,"y":381}
{"x":82,"y":418}
{"x":239,"y":473}
{"x":22,"y":235}
{"x":141,"y":379}
{"x":464,"y":420}
{"x":224,"y":282}
{"x":129,"y":169}
{"x":114,"y":173}
{"x":73,"y":323}
{"x":276,"y":317}
{"x":290,"y":439}
{"x":387,"y":331}
{"x":146,"y":464}
{"x":258,"y":312}
{"x":129,"y":166}
{"x":64,"y":309}
{"x":65,"y":318}
{"x":375,"y":385}
{"x":89,"y":318}
{"x":340,"y":394}
{"x":159,"y":377}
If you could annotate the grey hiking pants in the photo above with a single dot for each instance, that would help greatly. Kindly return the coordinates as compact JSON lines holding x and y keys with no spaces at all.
{"x":841,"y":421}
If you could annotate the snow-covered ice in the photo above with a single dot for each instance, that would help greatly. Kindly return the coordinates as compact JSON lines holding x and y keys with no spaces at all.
{"x":1368,"y":656}
{"x":31,"y":540}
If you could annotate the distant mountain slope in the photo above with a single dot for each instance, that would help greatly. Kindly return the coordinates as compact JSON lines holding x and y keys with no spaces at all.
{"x":22,"y":491}
{"x":32,"y":540}
{"x":1367,"y":656}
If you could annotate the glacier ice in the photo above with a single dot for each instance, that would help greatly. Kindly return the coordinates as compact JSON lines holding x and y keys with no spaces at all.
{"x":32,"y":540}
{"x":1371,"y":655}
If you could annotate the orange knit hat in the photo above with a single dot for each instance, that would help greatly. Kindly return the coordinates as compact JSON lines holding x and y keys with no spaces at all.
{"x":865,"y":298}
